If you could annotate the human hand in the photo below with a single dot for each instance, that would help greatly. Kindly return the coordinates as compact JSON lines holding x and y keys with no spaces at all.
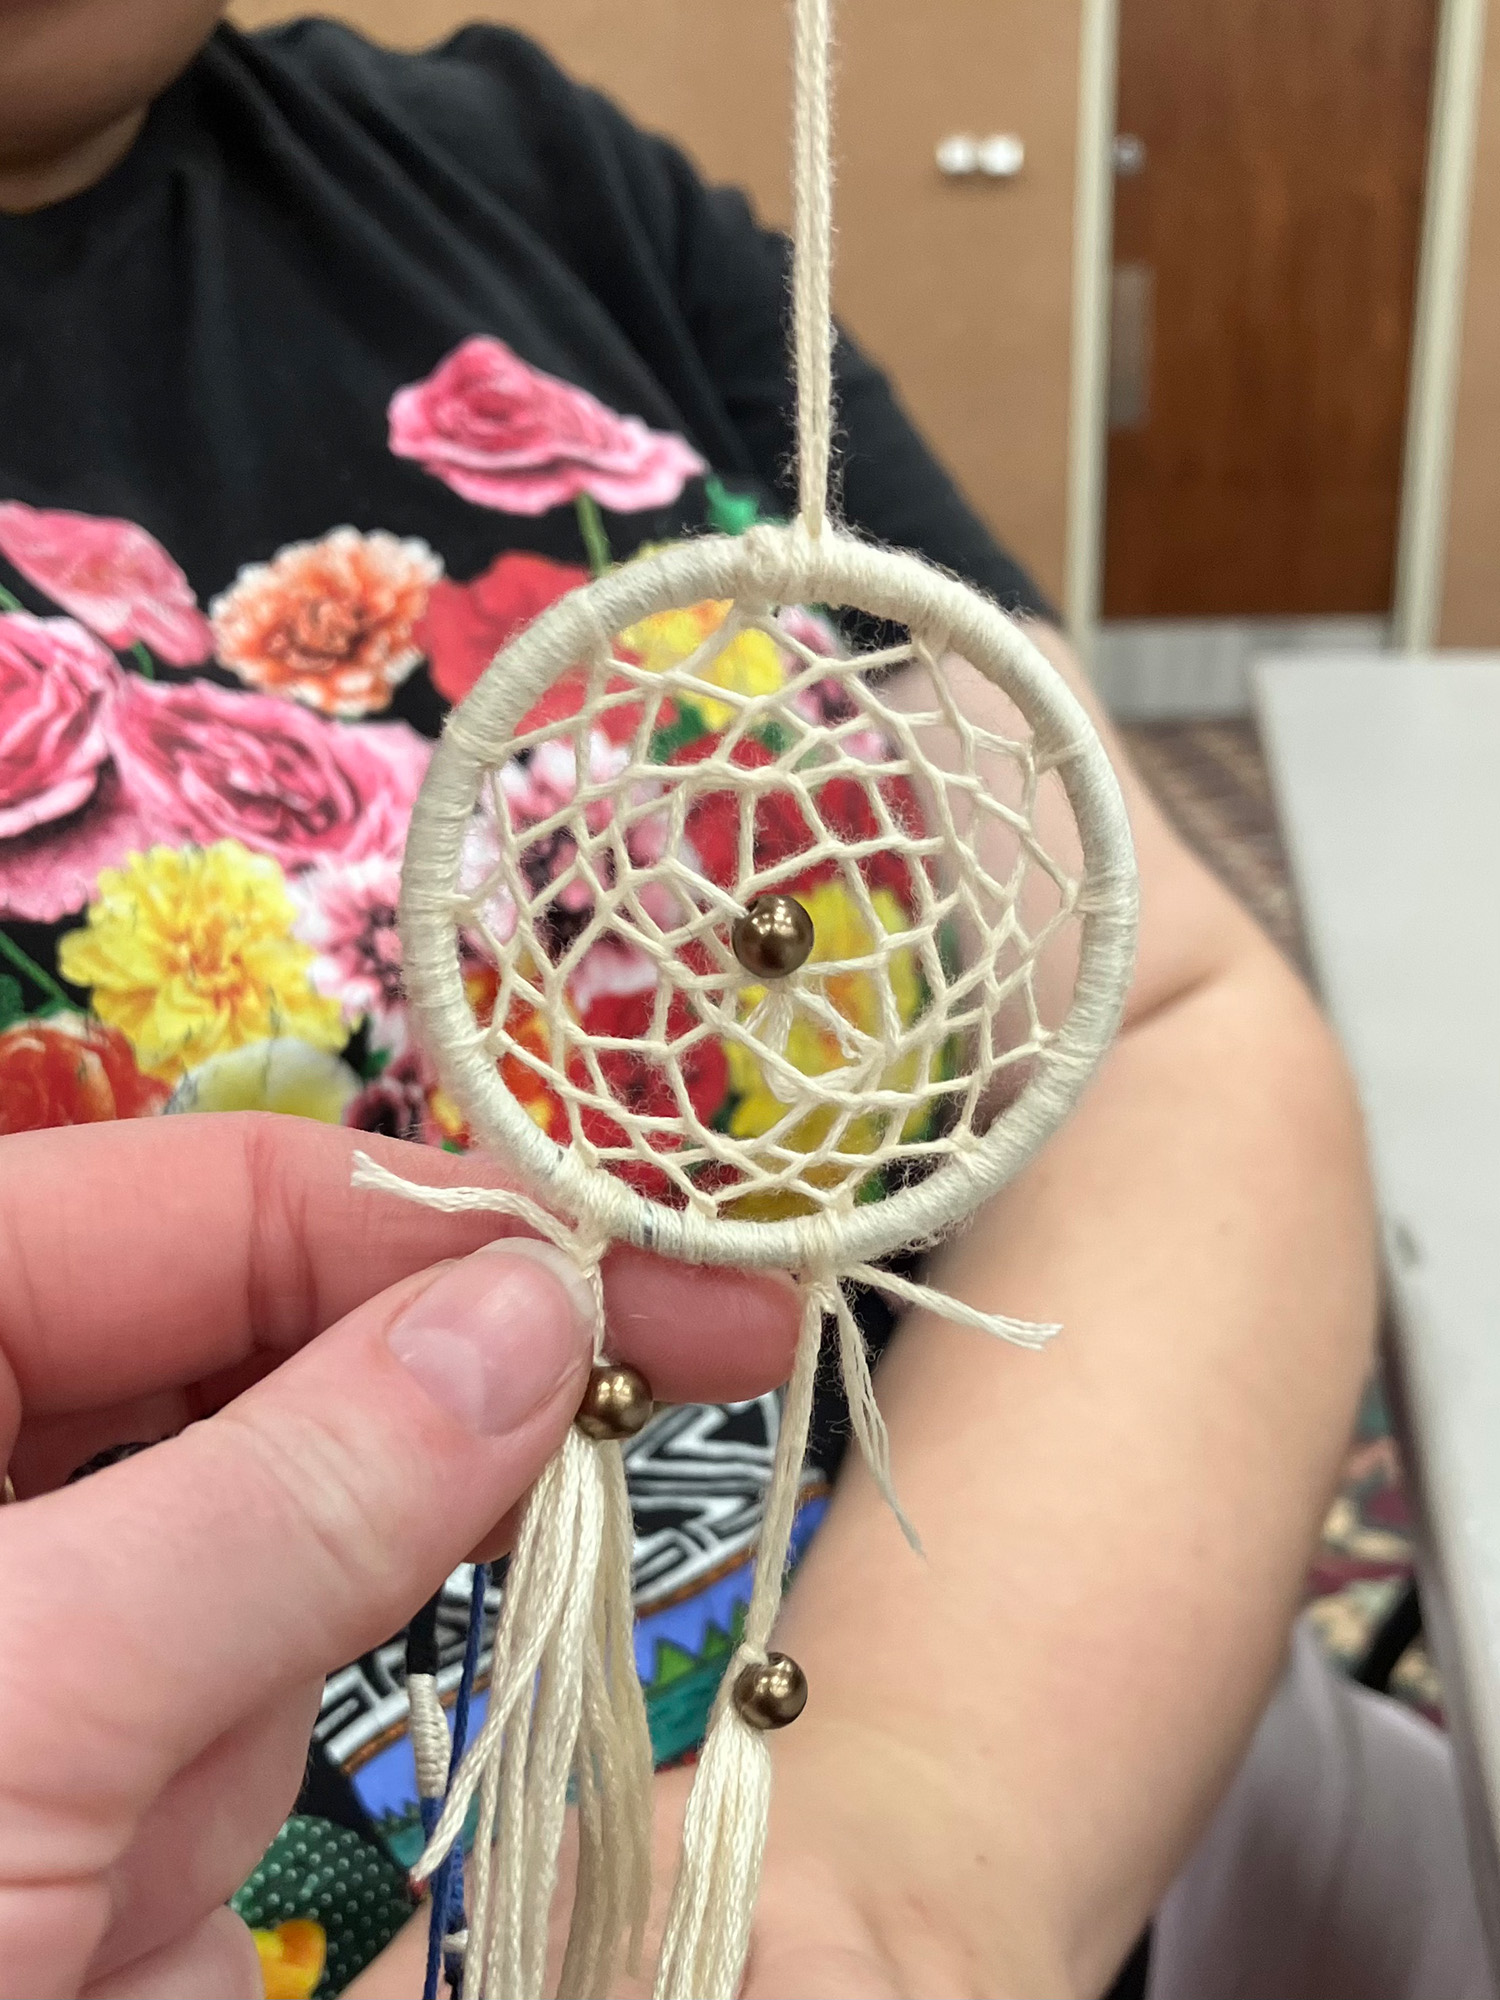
{"x":165,"y":1625}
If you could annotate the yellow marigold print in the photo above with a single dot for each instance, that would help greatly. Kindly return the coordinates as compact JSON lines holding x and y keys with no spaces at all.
{"x":189,"y":952}
{"x":840,"y":931}
{"x":292,"y":1958}
{"x":749,"y":664}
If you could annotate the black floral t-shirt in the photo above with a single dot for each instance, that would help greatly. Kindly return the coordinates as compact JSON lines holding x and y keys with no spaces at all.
{"x":357,"y":361}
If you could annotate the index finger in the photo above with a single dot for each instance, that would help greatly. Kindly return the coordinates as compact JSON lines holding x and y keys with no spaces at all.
{"x":145,"y":1255}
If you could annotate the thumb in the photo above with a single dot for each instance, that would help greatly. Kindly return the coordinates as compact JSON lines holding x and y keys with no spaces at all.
{"x":291,"y":1532}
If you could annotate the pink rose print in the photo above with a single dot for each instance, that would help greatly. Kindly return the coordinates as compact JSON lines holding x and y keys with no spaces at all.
{"x":329,"y":622}
{"x":52,"y":871}
{"x":348,"y":916}
{"x":62,"y":816}
{"x":54,"y":681}
{"x":547,"y":780}
{"x":112,"y":576}
{"x":399,"y":1103}
{"x":611,"y":968}
{"x":811,"y":630}
{"x":202,"y":764}
{"x":542,"y":785}
{"x":504,"y":435}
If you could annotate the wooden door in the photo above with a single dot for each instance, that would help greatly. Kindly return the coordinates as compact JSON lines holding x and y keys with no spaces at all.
{"x":1265,"y":259}
{"x":960,"y":287}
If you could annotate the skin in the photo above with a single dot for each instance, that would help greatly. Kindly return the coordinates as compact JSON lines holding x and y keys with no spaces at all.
{"x":1011,"y":1745}
{"x":76,"y":78}
{"x":223,"y":1574}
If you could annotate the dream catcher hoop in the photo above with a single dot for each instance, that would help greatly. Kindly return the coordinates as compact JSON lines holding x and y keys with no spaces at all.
{"x":744,"y":950}
{"x":757,"y":574}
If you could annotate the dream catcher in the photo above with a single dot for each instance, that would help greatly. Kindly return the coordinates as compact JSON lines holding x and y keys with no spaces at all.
{"x":753,"y":951}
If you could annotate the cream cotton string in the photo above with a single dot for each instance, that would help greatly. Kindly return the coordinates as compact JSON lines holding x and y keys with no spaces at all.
{"x":564,"y":1698}
{"x":860,"y":940}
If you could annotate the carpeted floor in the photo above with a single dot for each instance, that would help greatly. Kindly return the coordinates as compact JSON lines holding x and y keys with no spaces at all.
{"x":1211,"y":780}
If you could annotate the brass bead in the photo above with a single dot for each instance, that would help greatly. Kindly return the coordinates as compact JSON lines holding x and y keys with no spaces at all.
{"x":771,"y":1693}
{"x":773,"y":937}
{"x":616,"y":1404}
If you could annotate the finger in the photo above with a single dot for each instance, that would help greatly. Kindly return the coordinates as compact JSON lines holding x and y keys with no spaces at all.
{"x":700,"y":1334}
{"x":227,"y":1238}
{"x":205,"y":1832}
{"x":697,"y":1335}
{"x":48,"y":1452}
{"x":218,"y":1961}
{"x":497,"y":1541}
{"x":294,"y":1531}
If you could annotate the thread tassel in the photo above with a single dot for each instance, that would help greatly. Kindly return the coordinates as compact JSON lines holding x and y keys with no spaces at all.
{"x":707,"y":1937}
{"x":553,"y":1709}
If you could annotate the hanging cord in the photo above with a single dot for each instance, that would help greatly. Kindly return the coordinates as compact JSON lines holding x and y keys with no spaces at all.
{"x":812,"y":257}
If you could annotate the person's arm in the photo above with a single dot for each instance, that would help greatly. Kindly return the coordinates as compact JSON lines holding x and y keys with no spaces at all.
{"x":1010,"y":1745}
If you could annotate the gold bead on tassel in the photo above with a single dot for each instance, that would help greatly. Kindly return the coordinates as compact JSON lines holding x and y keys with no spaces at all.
{"x":771,"y":1693}
{"x":616,"y":1404}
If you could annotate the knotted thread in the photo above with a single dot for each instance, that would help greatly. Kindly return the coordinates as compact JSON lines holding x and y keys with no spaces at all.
{"x":564,"y":1699}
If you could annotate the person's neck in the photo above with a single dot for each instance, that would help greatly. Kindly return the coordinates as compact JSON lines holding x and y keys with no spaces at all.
{"x":32,"y":184}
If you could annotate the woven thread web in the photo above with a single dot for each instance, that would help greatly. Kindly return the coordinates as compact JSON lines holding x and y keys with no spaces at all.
{"x":710,"y":755}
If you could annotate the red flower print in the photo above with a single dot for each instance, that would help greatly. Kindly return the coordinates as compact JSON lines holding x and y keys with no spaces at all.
{"x":112,"y":576}
{"x":844,"y":808}
{"x":713,"y":820}
{"x":611,"y":968}
{"x":466,"y":624}
{"x":616,"y":724}
{"x":328,"y":622}
{"x":642,"y":1086}
{"x":202,"y":764}
{"x":504,"y":435}
{"x":68,"y":1070}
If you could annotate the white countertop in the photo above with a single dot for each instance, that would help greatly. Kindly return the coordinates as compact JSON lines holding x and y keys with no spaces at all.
{"x":1387,"y":776}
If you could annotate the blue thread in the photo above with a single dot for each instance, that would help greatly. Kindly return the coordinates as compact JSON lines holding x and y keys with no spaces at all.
{"x":448,"y":1883}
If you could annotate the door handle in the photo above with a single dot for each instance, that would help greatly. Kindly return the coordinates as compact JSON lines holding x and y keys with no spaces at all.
{"x":999,"y":156}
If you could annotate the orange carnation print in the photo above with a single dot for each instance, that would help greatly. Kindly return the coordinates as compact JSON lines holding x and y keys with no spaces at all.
{"x":328,"y":622}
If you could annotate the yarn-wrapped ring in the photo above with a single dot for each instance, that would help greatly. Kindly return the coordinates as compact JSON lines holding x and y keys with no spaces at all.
{"x":770,"y":565}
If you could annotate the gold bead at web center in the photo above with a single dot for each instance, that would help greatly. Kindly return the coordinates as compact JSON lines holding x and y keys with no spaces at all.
{"x":772,"y":1692}
{"x":773,"y":938}
{"x":616,"y":1404}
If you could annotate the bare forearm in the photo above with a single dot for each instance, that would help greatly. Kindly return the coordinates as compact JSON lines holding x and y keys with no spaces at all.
{"x":1117,"y":1529}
